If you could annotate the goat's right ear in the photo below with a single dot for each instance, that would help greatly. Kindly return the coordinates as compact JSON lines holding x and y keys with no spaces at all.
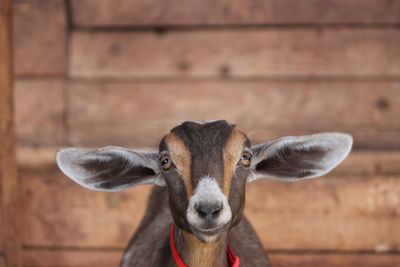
{"x":294,"y":158}
{"x":110,"y":168}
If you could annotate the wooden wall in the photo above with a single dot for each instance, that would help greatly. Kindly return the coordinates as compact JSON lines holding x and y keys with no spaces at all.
{"x":10,"y":246}
{"x":123,"y":72}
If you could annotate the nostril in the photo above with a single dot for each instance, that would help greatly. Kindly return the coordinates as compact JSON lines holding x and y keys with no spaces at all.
{"x":216,"y":212}
{"x":200,"y":211}
{"x":208,"y":209}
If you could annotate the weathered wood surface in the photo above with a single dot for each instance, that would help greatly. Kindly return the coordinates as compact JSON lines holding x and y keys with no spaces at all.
{"x":107,"y":13}
{"x":60,"y":213}
{"x":139,"y":113}
{"x":9,"y":187}
{"x":71,"y":258}
{"x":329,"y":213}
{"x":335,"y":211}
{"x":40,"y":112}
{"x":107,"y":258}
{"x":39,"y":37}
{"x":36,"y":157}
{"x":238,"y":53}
{"x":369,"y":163}
{"x":333,"y":260}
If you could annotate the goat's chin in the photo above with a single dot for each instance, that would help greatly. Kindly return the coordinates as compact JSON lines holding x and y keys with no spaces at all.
{"x":209,"y":235}
{"x":206,"y":238}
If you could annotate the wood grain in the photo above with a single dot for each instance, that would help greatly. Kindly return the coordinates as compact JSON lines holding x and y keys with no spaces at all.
{"x":369,"y":163}
{"x":9,"y":186}
{"x":336,"y":212}
{"x":39,"y":112}
{"x":58,"y":212}
{"x":39,"y":37}
{"x":71,"y":258}
{"x":333,"y":260}
{"x":36,"y":157}
{"x":89,"y":13}
{"x":330,"y":213}
{"x":140,"y":113}
{"x":237,"y":53}
{"x":107,"y":258}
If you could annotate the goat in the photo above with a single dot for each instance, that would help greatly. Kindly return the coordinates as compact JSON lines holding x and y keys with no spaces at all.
{"x":195,"y":216}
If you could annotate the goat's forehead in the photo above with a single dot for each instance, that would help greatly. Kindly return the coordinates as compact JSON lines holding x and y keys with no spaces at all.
{"x":204,"y":138}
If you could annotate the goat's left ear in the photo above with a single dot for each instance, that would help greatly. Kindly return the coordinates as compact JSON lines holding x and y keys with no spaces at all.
{"x":110,"y":168}
{"x":294,"y":158}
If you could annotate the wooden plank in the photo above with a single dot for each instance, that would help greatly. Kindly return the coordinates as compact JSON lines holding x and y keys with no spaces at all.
{"x":39,"y":37}
{"x":104,"y":258}
{"x":140,"y":113}
{"x":89,"y":13}
{"x":2,"y":261}
{"x":237,"y":53}
{"x":326,"y":214}
{"x":9,"y":186}
{"x":336,"y":212}
{"x":40,"y":111}
{"x":333,"y":260}
{"x":2,"y":229}
{"x":75,"y":216}
{"x":36,"y":157}
{"x":369,"y":163}
{"x":71,"y":258}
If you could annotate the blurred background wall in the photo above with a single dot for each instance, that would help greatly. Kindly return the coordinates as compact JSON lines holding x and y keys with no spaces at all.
{"x":122,"y":72}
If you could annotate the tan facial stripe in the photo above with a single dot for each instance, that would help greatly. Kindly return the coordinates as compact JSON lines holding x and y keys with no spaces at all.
{"x":181,"y":157}
{"x":232,"y":152}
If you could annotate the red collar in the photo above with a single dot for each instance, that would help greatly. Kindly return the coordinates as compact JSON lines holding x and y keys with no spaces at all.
{"x":233,"y":260}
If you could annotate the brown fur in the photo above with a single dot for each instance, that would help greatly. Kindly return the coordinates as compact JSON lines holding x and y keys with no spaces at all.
{"x":198,"y":254}
{"x":197,"y":150}
{"x":181,"y":157}
{"x":232,"y":152}
{"x":150,"y":247}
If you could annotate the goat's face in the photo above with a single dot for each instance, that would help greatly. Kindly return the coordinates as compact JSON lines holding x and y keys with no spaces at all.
{"x":205,"y":167}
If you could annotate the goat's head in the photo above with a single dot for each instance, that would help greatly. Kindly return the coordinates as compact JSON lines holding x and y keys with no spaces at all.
{"x":205,"y":167}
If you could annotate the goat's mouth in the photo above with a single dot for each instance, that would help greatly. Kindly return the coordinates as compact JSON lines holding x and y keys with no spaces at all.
{"x":209,"y":231}
{"x":209,"y":234}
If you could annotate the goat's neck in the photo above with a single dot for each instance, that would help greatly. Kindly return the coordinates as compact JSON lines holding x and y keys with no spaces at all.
{"x":196,"y":253}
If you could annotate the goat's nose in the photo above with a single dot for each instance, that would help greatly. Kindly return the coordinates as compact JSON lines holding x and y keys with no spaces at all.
{"x":208,"y":210}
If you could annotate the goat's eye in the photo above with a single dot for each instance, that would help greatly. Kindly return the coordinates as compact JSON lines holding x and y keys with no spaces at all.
{"x":165,"y":162}
{"x":245,"y":160}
